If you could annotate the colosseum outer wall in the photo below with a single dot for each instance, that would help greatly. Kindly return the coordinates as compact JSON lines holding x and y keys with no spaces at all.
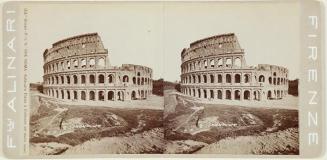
{"x":215,"y":68}
{"x":78,"y":68}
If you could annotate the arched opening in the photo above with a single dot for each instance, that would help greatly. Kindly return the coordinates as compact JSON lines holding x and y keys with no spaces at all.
{"x":205,"y":94}
{"x":199,"y":79}
{"x":92,"y":62}
{"x":75,"y":95}
{"x":220,"y":94}
{"x":246,"y":95}
{"x":125,"y":78}
{"x":68,"y":79}
{"x":228,"y":62}
{"x":228,"y":94}
{"x":62,"y":79}
{"x":75,"y":62}
{"x":57,"y":80}
{"x":134,"y":80}
{"x":212,"y":78}
{"x":68,"y":95}
{"x":92,"y":96}
{"x":111,"y":95}
{"x":62,"y":66}
{"x":220,"y":62}
{"x":193,"y":92}
{"x":255,"y":95}
{"x":237,"y":95}
{"x":237,"y":62}
{"x":142,"y":81}
{"x":120,"y":95}
{"x":269,"y":95}
{"x":142,"y":94}
{"x":92,"y":78}
{"x":205,"y":64}
{"x":212,"y":94}
{"x":57,"y":94}
{"x":220,"y":78}
{"x":261,"y":78}
{"x":83,"y":63}
{"x":204,"y":78}
{"x":101,"y":62}
{"x":101,"y":95}
{"x":83,"y":95}
{"x":270,"y":80}
{"x":101,"y":78}
{"x":75,"y":79}
{"x":68,"y":64}
{"x":83,"y":79}
{"x":237,"y":78}
{"x":193,"y":79}
{"x":62,"y":94}
{"x":278,"y":94}
{"x":110,"y":78}
{"x":246,"y":78}
{"x":199,"y":65}
{"x":199,"y":93}
{"x":212,"y":63}
{"x":228,"y":78}
{"x":133,"y":95}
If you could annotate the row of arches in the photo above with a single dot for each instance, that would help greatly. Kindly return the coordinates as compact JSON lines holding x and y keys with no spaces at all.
{"x":100,"y":95}
{"x":99,"y":79}
{"x":75,"y":63}
{"x":219,"y":78}
{"x":231,"y":78}
{"x":221,"y":62}
{"x":234,"y":94}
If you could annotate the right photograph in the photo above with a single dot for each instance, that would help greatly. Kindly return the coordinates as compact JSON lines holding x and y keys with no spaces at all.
{"x":233,"y":88}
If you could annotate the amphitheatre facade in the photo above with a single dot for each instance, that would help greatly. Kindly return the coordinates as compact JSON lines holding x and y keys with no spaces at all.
{"x":78,"y":68}
{"x":215,"y":68}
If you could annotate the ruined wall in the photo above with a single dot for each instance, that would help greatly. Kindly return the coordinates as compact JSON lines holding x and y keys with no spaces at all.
{"x":215,"y":68}
{"x":78,"y":68}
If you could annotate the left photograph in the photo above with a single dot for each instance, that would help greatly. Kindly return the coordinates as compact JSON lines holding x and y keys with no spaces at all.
{"x":82,"y":103}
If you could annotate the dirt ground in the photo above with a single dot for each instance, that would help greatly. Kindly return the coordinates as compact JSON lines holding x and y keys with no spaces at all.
{"x":188,"y":119}
{"x":56,"y":127}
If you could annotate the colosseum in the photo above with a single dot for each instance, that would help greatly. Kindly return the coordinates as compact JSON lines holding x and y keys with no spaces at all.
{"x":78,"y":68}
{"x":215,"y":68}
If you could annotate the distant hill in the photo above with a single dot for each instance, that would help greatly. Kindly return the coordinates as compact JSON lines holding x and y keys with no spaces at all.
{"x":160,"y":85}
{"x":293,"y":87}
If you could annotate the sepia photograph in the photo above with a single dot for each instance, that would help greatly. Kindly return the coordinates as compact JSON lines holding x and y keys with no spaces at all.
{"x":95,"y":86}
{"x":164,"y":78}
{"x":234,"y":86}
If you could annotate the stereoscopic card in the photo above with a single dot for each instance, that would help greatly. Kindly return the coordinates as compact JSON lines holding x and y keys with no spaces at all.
{"x":190,"y":79}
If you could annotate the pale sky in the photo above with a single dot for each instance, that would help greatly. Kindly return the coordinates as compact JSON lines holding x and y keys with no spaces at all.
{"x":154,"y":34}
